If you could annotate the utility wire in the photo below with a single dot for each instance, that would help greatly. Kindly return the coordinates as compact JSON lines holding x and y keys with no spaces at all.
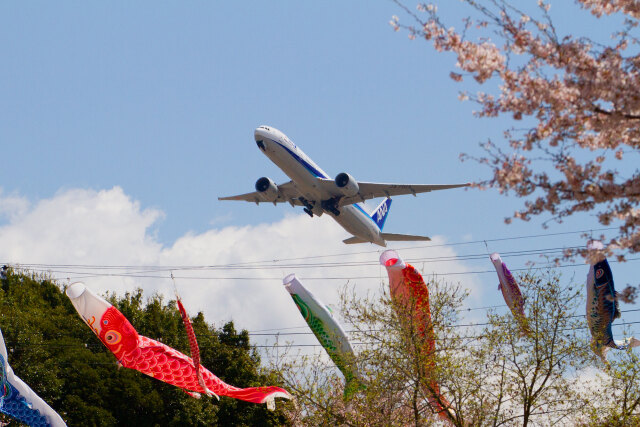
{"x":275,"y":260}
{"x":79,"y":275}
{"x":251,"y":265}
{"x":342,"y":264}
{"x":50,"y":344}
{"x":460,"y":325}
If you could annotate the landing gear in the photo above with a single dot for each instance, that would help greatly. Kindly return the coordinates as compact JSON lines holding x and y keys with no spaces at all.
{"x":306,"y":203}
{"x":331,"y":205}
{"x":308,"y":207}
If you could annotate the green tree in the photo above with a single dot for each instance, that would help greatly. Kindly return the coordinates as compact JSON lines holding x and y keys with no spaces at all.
{"x":54,"y":352}
{"x":490,"y":371}
{"x":538,"y":371}
{"x":614,"y":394}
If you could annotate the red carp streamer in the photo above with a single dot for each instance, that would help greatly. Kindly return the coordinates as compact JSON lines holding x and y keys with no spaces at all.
{"x":154,"y":358}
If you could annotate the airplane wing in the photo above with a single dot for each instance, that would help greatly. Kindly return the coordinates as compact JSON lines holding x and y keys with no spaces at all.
{"x":372,"y":190}
{"x":353,"y":240}
{"x":393,"y":237}
{"x":286,"y":193}
{"x":390,"y":237}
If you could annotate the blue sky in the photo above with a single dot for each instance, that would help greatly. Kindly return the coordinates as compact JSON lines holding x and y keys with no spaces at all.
{"x":149,"y":109}
{"x":163,"y":102}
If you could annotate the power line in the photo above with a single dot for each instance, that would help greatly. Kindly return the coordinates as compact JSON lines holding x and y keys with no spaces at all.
{"x":80,"y":275}
{"x":275,"y":260}
{"x":151,"y":269}
{"x":460,"y":325}
{"x":544,"y":251}
{"x":79,"y":271}
{"x":13,"y":344}
{"x":258,"y":332}
{"x":306,"y":326}
{"x":472,"y":337}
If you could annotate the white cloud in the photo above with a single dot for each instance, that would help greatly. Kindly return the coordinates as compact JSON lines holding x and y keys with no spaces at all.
{"x":12,"y":206}
{"x":108,"y":228}
{"x":81,"y":227}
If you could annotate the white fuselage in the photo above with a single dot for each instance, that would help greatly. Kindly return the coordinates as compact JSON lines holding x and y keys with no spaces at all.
{"x":305,"y":173}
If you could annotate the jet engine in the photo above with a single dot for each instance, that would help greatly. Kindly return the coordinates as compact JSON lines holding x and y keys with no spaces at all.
{"x":347,"y":184}
{"x":267,"y":189}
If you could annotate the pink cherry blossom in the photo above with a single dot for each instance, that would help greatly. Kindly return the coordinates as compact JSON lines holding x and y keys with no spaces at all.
{"x":579,"y":101}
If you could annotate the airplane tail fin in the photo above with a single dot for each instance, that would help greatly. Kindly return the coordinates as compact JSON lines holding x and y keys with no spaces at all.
{"x":392,"y":237}
{"x":379,"y":214}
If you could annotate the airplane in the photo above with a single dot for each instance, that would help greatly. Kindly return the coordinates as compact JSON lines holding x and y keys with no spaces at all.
{"x":312,"y":188}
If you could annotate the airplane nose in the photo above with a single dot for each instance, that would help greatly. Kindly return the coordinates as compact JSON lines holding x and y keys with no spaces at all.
{"x":261,"y":133}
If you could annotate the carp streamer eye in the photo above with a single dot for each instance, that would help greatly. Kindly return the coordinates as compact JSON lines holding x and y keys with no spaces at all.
{"x":112,"y":337}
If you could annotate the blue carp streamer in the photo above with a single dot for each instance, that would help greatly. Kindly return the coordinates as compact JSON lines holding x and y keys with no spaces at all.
{"x":602,"y":307}
{"x":19,"y":401}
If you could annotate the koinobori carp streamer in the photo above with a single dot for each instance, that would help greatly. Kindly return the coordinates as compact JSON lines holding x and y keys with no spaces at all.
{"x":328,"y":331}
{"x":602,"y":305}
{"x":511,"y":292}
{"x":411,"y":297}
{"x":20,"y":402}
{"x":154,"y":358}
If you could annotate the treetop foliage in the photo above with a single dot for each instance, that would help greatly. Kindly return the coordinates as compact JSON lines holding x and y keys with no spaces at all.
{"x":57,"y":355}
{"x":490,"y":370}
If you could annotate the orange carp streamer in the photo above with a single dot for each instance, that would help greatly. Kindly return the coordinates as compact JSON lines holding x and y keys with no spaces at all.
{"x":410,"y":296}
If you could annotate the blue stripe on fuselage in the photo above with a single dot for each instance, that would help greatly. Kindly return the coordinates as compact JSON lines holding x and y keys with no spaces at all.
{"x":315,"y":172}
{"x":365,"y":214}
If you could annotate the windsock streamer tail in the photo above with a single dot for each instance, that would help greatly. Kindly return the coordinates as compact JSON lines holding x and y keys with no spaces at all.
{"x":439,"y":403}
{"x":525,"y":328}
{"x":195,"y":349}
{"x":352,"y":386}
{"x":202,"y":384}
{"x":266,"y":395}
{"x":445,"y":413}
{"x":625,"y":344}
